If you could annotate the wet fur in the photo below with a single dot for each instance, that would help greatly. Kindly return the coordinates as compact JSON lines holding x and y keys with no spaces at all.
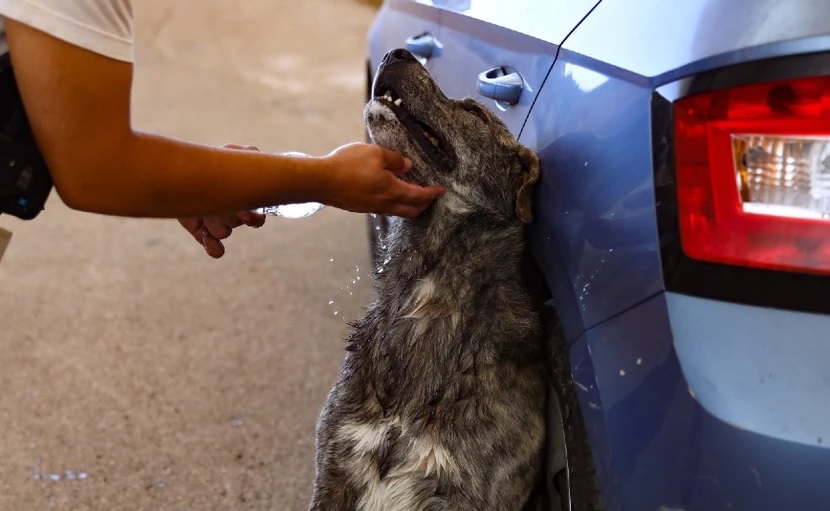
{"x":440,"y":401}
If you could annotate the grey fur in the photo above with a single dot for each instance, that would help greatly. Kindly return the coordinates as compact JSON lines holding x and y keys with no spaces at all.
{"x":440,"y":402}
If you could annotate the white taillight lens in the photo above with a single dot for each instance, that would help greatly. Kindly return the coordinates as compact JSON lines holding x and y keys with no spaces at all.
{"x":783,"y":176}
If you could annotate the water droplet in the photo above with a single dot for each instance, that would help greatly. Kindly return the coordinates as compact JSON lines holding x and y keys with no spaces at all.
{"x":358,"y":277}
{"x":36,"y":470}
{"x":622,"y":372}
{"x":331,"y":259}
{"x":331,"y":302}
{"x":350,"y":293}
{"x":336,"y":313}
{"x":639,"y":361}
{"x":83,"y":475}
{"x":70,"y":475}
{"x":55,"y":477}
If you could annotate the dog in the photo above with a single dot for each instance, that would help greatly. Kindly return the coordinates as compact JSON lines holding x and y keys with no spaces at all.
{"x":440,"y":404}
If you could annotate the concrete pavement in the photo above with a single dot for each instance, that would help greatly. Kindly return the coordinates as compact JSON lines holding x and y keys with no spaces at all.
{"x":136,"y":372}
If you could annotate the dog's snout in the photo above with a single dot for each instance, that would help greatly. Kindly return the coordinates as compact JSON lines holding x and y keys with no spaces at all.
{"x":398,"y":54}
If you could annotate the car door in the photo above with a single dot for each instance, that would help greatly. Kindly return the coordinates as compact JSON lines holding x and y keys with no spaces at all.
{"x":501,"y":52}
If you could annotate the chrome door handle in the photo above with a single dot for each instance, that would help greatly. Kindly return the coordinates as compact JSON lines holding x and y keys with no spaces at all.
{"x":502,"y":84}
{"x":424,"y":45}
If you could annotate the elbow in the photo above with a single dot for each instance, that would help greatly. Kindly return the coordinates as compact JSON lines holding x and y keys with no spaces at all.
{"x":76,"y":185}
{"x":103,"y":197}
{"x":75,"y":197}
{"x":89,"y":183}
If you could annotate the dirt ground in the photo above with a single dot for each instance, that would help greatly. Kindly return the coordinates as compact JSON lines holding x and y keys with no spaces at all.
{"x":139,"y":374}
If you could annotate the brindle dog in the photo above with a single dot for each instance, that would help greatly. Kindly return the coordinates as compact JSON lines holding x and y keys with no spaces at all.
{"x":440,"y":402}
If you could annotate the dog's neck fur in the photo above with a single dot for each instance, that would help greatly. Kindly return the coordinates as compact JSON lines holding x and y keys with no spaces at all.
{"x":429,"y":244}
{"x":423,"y":253}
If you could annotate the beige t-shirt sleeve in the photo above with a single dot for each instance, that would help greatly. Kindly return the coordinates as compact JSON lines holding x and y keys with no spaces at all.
{"x":102,"y":26}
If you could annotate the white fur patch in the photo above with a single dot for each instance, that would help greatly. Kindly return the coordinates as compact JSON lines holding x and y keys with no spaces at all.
{"x":421,"y":297}
{"x":381,"y":110}
{"x":396,"y":492}
{"x":455,"y":199}
{"x":430,"y":458}
{"x":366,"y":437}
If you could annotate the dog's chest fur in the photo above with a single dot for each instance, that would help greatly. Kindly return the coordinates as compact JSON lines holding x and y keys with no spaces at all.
{"x":441,"y":393}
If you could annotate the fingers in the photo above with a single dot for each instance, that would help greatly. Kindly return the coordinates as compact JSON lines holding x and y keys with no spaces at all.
{"x":416,"y":199}
{"x":192,"y":225}
{"x":209,"y":231}
{"x":395,"y":162}
{"x":212,"y":246}
{"x":251,"y":219}
{"x":220,"y":227}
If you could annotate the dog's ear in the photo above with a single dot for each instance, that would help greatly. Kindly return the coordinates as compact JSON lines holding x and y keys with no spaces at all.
{"x":528,"y":176}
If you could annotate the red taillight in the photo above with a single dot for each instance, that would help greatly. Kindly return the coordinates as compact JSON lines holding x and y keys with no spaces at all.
{"x":753,"y":175}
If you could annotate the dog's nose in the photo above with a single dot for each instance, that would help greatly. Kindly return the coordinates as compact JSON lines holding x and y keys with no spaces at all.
{"x":399,"y":54}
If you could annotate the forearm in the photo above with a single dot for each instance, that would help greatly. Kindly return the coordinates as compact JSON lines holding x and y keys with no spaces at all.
{"x":78,"y":104}
{"x":148,"y":175}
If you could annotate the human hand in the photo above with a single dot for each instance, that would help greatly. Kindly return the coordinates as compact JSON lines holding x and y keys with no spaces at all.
{"x":209,"y":231}
{"x":364,"y":179}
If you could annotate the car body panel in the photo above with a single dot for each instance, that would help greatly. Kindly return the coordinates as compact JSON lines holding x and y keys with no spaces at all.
{"x":470,"y":49}
{"x":667,"y":39}
{"x":657,"y":445}
{"x":545,"y":20}
{"x":759,"y":380}
{"x":594,"y":203}
{"x":477,"y":35}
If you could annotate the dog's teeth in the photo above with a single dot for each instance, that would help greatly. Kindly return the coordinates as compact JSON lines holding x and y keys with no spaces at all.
{"x":398,"y":102}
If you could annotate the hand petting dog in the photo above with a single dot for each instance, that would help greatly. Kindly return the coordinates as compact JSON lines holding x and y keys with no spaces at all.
{"x":363,"y":178}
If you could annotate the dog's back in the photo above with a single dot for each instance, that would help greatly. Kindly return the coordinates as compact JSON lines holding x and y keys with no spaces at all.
{"x":440,"y":402}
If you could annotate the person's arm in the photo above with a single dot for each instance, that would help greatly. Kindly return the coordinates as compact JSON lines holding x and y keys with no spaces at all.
{"x":78,"y":103}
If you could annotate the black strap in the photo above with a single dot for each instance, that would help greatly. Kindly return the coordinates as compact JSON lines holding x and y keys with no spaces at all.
{"x":25,"y":183}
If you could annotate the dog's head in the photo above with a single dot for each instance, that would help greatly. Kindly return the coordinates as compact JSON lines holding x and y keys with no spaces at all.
{"x":458,"y":144}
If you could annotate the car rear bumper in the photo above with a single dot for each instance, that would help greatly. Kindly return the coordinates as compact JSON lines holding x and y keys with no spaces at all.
{"x":695,"y":404}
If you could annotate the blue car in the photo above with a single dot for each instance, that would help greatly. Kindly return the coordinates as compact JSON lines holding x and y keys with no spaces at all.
{"x":682,"y":233}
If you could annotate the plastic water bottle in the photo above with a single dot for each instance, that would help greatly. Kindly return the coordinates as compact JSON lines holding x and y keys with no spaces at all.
{"x":291,"y":210}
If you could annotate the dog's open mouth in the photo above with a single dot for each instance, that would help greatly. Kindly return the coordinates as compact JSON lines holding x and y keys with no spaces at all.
{"x":430,"y":141}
